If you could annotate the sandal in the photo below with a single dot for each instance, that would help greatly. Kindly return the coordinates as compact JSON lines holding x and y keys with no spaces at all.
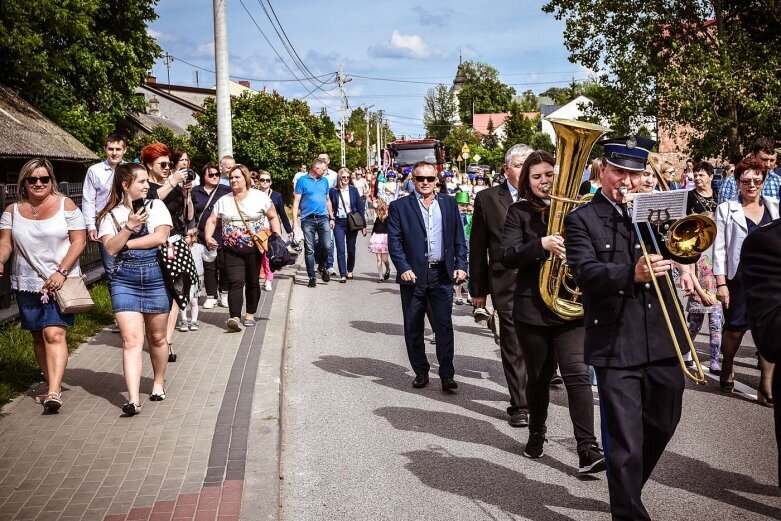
{"x":727,"y":386}
{"x":131,"y":409}
{"x":53,"y":402}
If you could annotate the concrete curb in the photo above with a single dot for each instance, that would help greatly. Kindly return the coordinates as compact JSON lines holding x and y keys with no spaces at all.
{"x":260,"y":500}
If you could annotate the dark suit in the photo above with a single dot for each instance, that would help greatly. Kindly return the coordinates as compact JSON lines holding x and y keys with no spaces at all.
{"x":276,"y":198}
{"x":761,"y":274}
{"x":407,"y":245}
{"x":640,"y":382}
{"x":487,"y":276}
{"x":342,"y":234}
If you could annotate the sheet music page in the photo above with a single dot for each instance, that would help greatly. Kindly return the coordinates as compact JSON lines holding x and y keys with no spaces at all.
{"x":659,"y":206}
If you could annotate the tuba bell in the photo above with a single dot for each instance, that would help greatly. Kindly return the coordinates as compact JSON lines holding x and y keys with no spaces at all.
{"x":574,"y":141}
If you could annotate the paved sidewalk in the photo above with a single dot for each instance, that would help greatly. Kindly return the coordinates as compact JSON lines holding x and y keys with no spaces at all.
{"x":183,"y":458}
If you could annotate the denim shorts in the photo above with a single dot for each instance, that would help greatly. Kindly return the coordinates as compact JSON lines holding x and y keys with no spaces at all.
{"x":138,"y":285}
{"x":35,"y":315}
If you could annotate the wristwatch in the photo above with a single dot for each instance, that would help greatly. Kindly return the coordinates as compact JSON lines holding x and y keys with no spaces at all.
{"x":62,"y":271}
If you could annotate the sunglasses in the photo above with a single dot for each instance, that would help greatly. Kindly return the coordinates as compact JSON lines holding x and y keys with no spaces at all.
{"x":213,"y":174}
{"x":164,"y":165}
{"x":421,"y":178}
{"x":744,"y":182}
{"x":346,"y":177}
{"x":45,"y":180}
{"x":264,"y":180}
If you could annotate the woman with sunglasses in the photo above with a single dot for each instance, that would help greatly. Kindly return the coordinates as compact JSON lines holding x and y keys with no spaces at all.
{"x":180,"y":160}
{"x":345,"y":199}
{"x":736,"y":219}
{"x":46,"y":232}
{"x":264,"y":185}
{"x":170,"y":186}
{"x":204,"y":197}
{"x":241,"y":214}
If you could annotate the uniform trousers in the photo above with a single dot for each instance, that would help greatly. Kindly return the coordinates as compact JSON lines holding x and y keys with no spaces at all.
{"x":641,"y":407}
{"x":432,"y":289}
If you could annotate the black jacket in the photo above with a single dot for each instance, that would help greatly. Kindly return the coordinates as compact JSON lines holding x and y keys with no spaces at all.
{"x":624,"y":323}
{"x":276,"y":198}
{"x":202,"y":212}
{"x":522,"y":249}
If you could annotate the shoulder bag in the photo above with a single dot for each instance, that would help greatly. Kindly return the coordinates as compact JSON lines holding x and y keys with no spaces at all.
{"x":355,"y":220}
{"x":73,"y":296}
{"x":261,"y":237}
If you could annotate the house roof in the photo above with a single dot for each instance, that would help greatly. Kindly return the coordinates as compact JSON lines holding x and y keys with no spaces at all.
{"x":25,"y":132}
{"x":480,"y":121}
{"x":147,"y":122}
{"x":547,"y":110}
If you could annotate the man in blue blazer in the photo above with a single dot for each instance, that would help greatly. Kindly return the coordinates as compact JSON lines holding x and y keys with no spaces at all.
{"x":427,"y":245}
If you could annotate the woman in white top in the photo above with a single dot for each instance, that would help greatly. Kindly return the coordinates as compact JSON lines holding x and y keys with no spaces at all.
{"x":242,"y":257}
{"x":132,"y":228}
{"x":735,"y":220}
{"x":49,"y":233}
{"x":345,"y":199}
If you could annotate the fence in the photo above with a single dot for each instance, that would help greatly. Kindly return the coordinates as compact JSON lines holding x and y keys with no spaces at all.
{"x":90,"y":258}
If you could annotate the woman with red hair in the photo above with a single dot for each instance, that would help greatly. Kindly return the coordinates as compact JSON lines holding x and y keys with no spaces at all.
{"x":173,"y":189}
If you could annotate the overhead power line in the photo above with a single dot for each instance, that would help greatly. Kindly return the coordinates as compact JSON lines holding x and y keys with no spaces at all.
{"x":330,"y":75}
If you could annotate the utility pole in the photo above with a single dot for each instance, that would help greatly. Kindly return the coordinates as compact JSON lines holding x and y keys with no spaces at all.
{"x":224,"y":131}
{"x":341,"y":80}
{"x":168,"y":60}
{"x":379,"y":142}
{"x":368,"y":134}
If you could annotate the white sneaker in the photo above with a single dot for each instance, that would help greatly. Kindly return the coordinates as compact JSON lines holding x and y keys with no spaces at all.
{"x":267,"y":285}
{"x":184,"y":326}
{"x":223,"y":302}
{"x":209,"y":303}
{"x":331,"y":271}
{"x":194,"y":326}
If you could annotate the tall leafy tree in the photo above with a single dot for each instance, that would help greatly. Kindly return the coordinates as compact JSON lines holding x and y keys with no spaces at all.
{"x":490,"y":140}
{"x":439,"y":109}
{"x":518,"y":128}
{"x":528,"y":101}
{"x":482,"y":91}
{"x":78,"y":62}
{"x":698,"y":65}
{"x":460,"y":136}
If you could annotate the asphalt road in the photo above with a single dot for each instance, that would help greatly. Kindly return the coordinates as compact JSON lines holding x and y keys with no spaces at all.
{"x":359,"y":443}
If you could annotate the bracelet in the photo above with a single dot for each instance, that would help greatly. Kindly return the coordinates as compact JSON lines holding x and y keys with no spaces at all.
{"x":128,"y":228}
{"x":170,"y":183}
{"x":720,"y":285}
{"x":62,"y":271}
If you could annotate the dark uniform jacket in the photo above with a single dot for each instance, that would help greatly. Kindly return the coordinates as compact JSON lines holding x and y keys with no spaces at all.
{"x":522,"y":249}
{"x":761,"y":272}
{"x":624,"y":323}
{"x":487,"y":274}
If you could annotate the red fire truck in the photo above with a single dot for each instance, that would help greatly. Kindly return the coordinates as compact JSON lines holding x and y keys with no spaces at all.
{"x":407,"y":152}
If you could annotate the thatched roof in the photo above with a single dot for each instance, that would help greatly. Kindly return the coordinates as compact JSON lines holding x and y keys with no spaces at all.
{"x":25,"y":132}
{"x":147,"y":122}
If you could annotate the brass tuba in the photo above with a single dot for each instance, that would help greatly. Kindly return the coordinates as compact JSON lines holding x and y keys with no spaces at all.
{"x":574,"y":141}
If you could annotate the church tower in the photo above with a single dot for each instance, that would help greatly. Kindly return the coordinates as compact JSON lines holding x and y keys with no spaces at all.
{"x":458,"y":84}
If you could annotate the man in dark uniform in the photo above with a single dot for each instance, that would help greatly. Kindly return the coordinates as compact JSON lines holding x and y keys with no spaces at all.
{"x":640,"y":382}
{"x":489,"y":277}
{"x":761,"y":274}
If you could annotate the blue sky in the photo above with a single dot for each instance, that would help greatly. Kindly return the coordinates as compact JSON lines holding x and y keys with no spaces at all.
{"x":402,"y":39}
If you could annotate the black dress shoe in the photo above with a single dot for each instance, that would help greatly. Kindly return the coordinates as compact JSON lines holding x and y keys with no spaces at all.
{"x":449,"y":385}
{"x":312,"y":283}
{"x":420,"y":381}
{"x":519,"y":418}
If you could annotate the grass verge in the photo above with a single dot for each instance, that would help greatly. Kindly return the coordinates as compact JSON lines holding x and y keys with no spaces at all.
{"x":18,"y":368}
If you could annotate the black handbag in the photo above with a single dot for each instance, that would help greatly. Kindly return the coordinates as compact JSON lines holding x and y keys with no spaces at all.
{"x":277,"y":253}
{"x":355,"y":220}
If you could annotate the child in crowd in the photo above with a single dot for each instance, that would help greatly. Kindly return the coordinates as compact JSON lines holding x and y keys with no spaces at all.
{"x":464,"y":204}
{"x":702,"y":303}
{"x":378,"y":243}
{"x":200,"y":254}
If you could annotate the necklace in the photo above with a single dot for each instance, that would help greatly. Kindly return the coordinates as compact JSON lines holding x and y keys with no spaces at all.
{"x":36,"y":209}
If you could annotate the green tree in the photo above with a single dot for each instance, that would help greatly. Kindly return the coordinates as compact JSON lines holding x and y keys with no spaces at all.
{"x":439,"y":107}
{"x":528,"y":102}
{"x":697,"y":64}
{"x":460,"y":135}
{"x":78,"y":62}
{"x":541,"y":141}
{"x":518,"y":128}
{"x":269,"y":133}
{"x":163,"y":134}
{"x":490,"y":140}
{"x":482,"y":91}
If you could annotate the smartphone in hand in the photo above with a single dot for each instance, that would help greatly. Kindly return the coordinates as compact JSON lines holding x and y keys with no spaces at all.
{"x":138,"y":204}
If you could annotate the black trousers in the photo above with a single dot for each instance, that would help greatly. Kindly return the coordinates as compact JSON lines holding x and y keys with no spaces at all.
{"x":435,"y":289}
{"x":214,"y":276}
{"x":242,"y":268}
{"x":641,"y":407}
{"x":542,"y":346}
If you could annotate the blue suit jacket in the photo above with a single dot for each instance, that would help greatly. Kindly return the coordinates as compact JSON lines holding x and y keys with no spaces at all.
{"x":407,"y":237}
{"x":276,"y":198}
{"x":356,"y":203}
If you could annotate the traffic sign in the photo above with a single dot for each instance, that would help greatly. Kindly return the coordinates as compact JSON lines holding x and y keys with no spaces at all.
{"x":465,"y":155}
{"x":465,"y":149}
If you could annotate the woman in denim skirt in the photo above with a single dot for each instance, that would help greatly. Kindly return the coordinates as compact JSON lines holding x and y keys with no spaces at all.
{"x":49,"y":233}
{"x":132,"y":229}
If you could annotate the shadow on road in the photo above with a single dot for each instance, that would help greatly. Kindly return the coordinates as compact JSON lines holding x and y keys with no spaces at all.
{"x":697,"y":477}
{"x":471,"y":477}
{"x":108,"y":386}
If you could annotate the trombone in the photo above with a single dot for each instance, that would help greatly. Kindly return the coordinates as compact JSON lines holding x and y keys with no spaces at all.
{"x":686,"y":238}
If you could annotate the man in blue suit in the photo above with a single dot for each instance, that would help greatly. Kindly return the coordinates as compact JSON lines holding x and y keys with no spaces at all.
{"x":427,"y":245}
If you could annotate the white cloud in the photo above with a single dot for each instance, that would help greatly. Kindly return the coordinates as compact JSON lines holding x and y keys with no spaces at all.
{"x":204,"y":51}
{"x":403,"y":46}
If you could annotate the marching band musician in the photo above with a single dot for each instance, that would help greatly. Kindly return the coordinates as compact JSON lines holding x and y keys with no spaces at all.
{"x":542,"y":334}
{"x":640,"y":382}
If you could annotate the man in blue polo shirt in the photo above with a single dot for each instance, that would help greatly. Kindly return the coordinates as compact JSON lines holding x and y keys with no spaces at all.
{"x":317,"y":217}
